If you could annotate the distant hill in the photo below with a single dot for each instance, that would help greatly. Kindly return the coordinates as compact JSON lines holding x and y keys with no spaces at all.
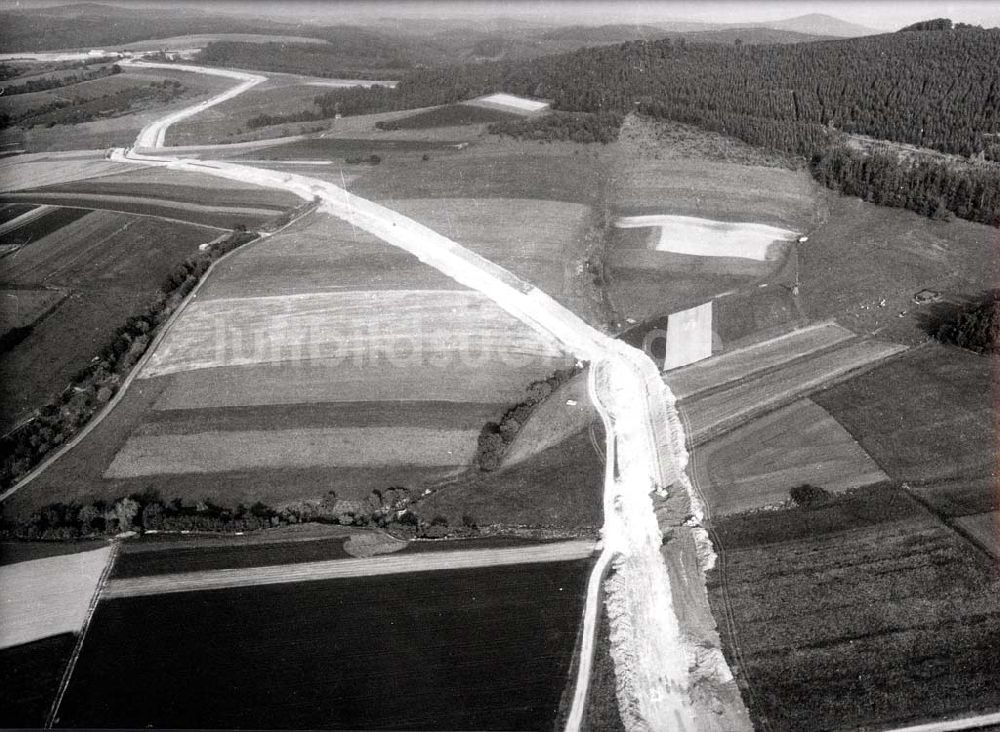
{"x":818,"y":24}
{"x":595,"y":34}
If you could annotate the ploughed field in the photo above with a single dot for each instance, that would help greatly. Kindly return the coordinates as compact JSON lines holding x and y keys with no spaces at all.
{"x":865,"y":609}
{"x":486,"y":648}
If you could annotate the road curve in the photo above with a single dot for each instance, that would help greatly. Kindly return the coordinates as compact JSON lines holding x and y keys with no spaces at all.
{"x":645,"y":438}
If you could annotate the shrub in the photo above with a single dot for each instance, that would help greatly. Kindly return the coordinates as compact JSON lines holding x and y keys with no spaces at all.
{"x":809,"y":496}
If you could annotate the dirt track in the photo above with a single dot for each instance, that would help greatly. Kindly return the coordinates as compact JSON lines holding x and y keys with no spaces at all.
{"x":344,"y":568}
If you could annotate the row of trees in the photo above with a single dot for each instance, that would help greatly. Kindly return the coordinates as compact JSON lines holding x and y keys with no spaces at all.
{"x":55,"y":82}
{"x":58,"y":420}
{"x":581,"y":127}
{"x":148,"y":511}
{"x":74,"y":110}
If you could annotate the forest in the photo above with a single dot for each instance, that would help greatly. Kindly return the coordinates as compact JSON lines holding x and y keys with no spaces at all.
{"x":933,"y":89}
{"x":356,"y":55}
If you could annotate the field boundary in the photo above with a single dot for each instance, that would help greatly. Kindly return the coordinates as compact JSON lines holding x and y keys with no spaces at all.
{"x":53,"y":715}
{"x":136,"y":368}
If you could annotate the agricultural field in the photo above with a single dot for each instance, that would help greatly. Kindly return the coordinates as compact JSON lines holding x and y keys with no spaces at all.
{"x":227,"y":121}
{"x":984,"y":529}
{"x":49,"y":219}
{"x":511,"y":103}
{"x":872,"y":612}
{"x":30,"y":675}
{"x":924,"y":417}
{"x":559,"y":488}
{"x":19,"y":172}
{"x":485,"y":648}
{"x":720,"y":410}
{"x":451,"y":115}
{"x":542,"y":242}
{"x":49,"y":596}
{"x":287,"y":394}
{"x":754,"y":359}
{"x":758,"y":463}
{"x":104,"y":267}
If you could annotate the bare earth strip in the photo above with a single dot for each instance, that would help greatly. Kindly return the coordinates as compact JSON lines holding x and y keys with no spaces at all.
{"x":45,"y":597}
{"x":984,"y":528}
{"x":757,"y":464}
{"x":213,"y":452}
{"x":719,"y":410}
{"x":338,"y":568}
{"x":720,"y":370}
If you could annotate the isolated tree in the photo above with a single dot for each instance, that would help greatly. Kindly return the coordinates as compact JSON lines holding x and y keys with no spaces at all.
{"x":124,"y":513}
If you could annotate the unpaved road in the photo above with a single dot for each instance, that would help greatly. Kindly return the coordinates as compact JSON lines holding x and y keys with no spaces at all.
{"x":645,"y":445}
{"x":215,"y":579}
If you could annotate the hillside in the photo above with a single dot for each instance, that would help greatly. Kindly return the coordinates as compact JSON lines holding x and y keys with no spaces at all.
{"x":933,"y":90}
{"x":821,"y":25}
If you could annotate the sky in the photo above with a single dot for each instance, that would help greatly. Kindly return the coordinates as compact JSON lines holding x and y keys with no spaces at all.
{"x":878,"y":14}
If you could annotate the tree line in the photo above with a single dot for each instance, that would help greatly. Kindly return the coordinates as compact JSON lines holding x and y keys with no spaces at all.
{"x":931,"y":89}
{"x":45,"y":83}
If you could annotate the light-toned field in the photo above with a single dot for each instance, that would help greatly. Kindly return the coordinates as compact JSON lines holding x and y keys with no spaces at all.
{"x":715,"y":190}
{"x":19,"y":308}
{"x":336,"y":568}
{"x":44,"y":597}
{"x":707,"y":238}
{"x":757,"y":464}
{"x":718,"y":410}
{"x":218,"y":452}
{"x":320,"y":253}
{"x":542,"y":242}
{"x":35,"y":171}
{"x":738,"y":364}
{"x":985,"y":529}
{"x":689,"y":336}
{"x":403,"y":325}
{"x":510,"y":103}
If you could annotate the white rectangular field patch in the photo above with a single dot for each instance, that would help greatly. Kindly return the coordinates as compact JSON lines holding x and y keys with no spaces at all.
{"x":46,"y":597}
{"x":511,"y":103}
{"x":707,"y":238}
{"x":689,"y":336}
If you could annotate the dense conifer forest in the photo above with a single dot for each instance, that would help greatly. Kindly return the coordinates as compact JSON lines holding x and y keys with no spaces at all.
{"x":936,"y":89}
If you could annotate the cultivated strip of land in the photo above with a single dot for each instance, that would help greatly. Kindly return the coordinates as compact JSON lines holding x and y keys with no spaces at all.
{"x":721,"y":410}
{"x":720,"y":370}
{"x":339,"y":568}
